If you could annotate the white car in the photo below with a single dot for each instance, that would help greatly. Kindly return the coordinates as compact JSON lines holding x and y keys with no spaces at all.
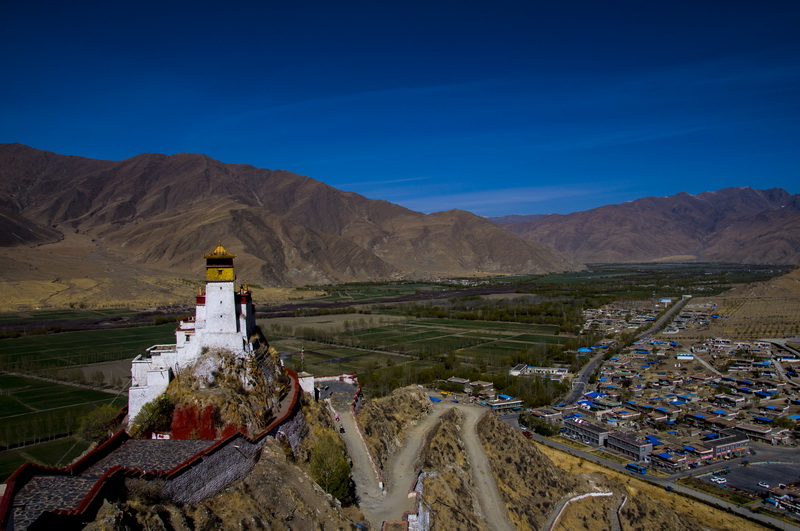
{"x":718,"y":480}
{"x":762,"y":484}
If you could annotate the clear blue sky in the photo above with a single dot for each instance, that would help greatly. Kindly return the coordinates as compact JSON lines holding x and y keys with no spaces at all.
{"x":493,"y":107}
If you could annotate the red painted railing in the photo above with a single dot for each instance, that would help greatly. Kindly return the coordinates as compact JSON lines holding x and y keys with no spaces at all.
{"x":112,"y":477}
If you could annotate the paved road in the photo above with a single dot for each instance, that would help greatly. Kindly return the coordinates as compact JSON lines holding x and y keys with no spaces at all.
{"x":579,"y":382}
{"x":670,"y":481}
{"x":677,"y":307}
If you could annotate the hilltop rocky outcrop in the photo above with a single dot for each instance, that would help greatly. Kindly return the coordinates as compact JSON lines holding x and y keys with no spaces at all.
{"x":277,"y":494}
{"x":384,"y":420}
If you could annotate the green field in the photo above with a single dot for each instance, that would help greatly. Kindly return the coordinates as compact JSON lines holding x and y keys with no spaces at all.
{"x":367,"y":292}
{"x":33,"y":410}
{"x":69,"y":315}
{"x":59,"y":452}
{"x":69,"y":349}
{"x":437,"y":337}
{"x":322,"y":360}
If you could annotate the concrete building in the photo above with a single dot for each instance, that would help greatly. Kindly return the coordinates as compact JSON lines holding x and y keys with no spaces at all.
{"x":224,"y":318}
{"x":586,"y":432}
{"x":630,"y":445}
{"x":729,"y":444}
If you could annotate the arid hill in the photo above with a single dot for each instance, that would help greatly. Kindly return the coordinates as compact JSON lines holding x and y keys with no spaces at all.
{"x":155,"y":214}
{"x":737,"y":225}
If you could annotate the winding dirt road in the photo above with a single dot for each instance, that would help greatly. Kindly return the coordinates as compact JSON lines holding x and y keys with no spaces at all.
{"x":390,"y":504}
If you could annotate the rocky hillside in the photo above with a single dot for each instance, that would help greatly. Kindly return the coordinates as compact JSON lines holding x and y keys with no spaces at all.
{"x":275,"y":495}
{"x":384,"y":420}
{"x":738,"y":225}
{"x":783,"y":287}
{"x":164,"y":212}
{"x":449,"y":488}
{"x":532,"y":483}
{"x":529,"y":481}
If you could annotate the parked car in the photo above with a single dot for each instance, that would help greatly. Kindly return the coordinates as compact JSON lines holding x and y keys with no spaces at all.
{"x":762,"y":484}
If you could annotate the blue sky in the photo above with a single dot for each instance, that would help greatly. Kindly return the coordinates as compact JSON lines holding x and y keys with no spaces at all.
{"x":492,"y":107}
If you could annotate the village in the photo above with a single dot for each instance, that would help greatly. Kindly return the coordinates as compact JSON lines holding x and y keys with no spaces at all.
{"x":669,"y":406}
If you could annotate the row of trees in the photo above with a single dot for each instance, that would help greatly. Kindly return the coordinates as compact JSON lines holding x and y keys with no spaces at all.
{"x":566,"y":314}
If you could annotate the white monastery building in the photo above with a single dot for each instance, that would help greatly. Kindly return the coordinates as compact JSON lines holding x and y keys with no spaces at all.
{"x":224,"y":318}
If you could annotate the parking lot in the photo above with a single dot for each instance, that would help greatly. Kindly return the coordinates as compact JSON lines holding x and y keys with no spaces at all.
{"x":747,"y":477}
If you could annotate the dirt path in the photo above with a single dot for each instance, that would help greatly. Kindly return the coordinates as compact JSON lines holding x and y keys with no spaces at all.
{"x":492,"y":505}
{"x":400,"y":474}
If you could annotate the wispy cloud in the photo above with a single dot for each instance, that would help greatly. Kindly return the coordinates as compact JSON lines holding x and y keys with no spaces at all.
{"x":534,"y":199}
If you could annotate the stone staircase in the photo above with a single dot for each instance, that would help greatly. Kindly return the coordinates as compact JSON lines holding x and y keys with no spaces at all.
{"x":46,"y":493}
{"x":48,"y":498}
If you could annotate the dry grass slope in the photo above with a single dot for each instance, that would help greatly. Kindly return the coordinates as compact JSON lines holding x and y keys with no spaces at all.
{"x":449,"y":490}
{"x":527,"y":479}
{"x":648,"y":507}
{"x":386,"y":419}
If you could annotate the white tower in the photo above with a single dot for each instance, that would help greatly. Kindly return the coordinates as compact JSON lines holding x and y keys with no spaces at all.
{"x":224,"y":318}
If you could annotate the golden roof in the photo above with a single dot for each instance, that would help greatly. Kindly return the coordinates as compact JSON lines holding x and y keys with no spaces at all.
{"x":219,"y":252}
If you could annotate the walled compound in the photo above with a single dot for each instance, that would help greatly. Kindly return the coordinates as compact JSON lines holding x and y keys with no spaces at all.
{"x":224,"y":318}
{"x":190,"y":470}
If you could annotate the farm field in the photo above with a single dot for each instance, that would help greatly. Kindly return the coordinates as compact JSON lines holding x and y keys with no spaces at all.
{"x":33,"y":410}
{"x":759,"y":318}
{"x":59,"y":452}
{"x":48,"y":352}
{"x":432,"y":337}
{"x":49,"y":315}
{"x":324,"y":360}
{"x":367,"y":292}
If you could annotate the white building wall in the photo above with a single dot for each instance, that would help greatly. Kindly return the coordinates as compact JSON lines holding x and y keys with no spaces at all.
{"x":157,"y":381}
{"x":222,"y":322}
{"x":200,"y":316}
{"x":220,"y":308}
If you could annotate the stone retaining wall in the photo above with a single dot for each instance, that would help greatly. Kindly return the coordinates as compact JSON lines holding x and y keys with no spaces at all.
{"x":219,"y":467}
{"x":197,"y":478}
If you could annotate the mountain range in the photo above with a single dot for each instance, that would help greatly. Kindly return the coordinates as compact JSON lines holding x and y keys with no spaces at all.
{"x":165,"y":212}
{"x":64,"y":218}
{"x":735,"y":225}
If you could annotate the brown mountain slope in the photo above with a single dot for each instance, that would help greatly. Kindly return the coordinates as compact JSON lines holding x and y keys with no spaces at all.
{"x":739,"y":225}
{"x":164,"y":212}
